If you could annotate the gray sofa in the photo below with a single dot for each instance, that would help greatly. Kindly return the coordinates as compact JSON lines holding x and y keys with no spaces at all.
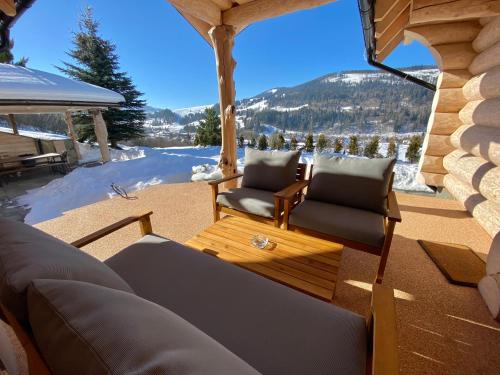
{"x":160,"y":307}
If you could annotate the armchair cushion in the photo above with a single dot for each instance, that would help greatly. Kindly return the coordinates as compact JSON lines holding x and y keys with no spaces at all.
{"x":27,"y":253}
{"x":254,"y":201}
{"x":345,"y":222}
{"x":89,"y":329}
{"x":270,"y":170}
{"x":352,"y":182}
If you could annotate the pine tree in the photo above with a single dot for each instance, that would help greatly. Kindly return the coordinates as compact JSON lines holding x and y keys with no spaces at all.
{"x":6,"y":56}
{"x":322,"y":143}
{"x":309,"y":147}
{"x":353,"y":146}
{"x":277,"y":141}
{"x":96,"y":62}
{"x":413,"y":151}
{"x":281,"y":141}
{"x":392,"y":148}
{"x":338,"y":146}
{"x":371,"y":148}
{"x":262,"y":142}
{"x":208,"y":131}
{"x":293,"y":143}
{"x":241,"y":141}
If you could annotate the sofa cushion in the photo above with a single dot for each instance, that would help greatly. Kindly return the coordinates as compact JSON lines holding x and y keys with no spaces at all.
{"x":96,"y":330}
{"x":345,"y":222}
{"x":270,"y":170}
{"x":27,"y":253}
{"x":352,"y":182}
{"x":274,"y":328}
{"x":254,"y":201}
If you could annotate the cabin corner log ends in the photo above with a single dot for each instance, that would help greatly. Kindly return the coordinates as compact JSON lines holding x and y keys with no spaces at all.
{"x":222,"y":37}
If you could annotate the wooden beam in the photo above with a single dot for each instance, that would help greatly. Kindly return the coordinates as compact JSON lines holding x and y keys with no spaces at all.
{"x":394,"y":13}
{"x":425,"y":11}
{"x":223,"y":4}
{"x":72,"y":135}
{"x":489,"y":35}
{"x":13,"y":123}
{"x":394,"y":30}
{"x":444,"y":33}
{"x":382,"y":9}
{"x":204,"y":10}
{"x":223,"y":41}
{"x":390,"y":46}
{"x":101,"y":133}
{"x":201,"y":26}
{"x":450,"y":79}
{"x":454,"y":56}
{"x":8,"y":7}
{"x":258,"y":10}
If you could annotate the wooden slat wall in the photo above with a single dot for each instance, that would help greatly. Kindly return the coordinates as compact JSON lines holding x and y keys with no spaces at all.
{"x":474,"y":167}
{"x":14,"y":145}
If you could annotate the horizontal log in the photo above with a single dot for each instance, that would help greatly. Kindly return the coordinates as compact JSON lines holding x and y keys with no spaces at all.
{"x":258,"y":10}
{"x":484,"y":86}
{"x":431,"y":179}
{"x":481,"y":174}
{"x":383,"y":8}
{"x":486,"y":60}
{"x":482,"y":112}
{"x":486,"y":20}
{"x":479,"y":141}
{"x":451,"y":79}
{"x":382,"y":55}
{"x":438,"y":145}
{"x":453,"y":56}
{"x":199,"y":25}
{"x":444,"y":123}
{"x":425,"y":12}
{"x":393,"y":30}
{"x":449,"y":100}
{"x":445,"y":33}
{"x":488,"y":36}
{"x":382,"y":25}
{"x":204,"y":10}
{"x":486,"y":212}
{"x":432,"y":164}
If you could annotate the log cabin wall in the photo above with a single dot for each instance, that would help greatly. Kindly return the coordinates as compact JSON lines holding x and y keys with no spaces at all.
{"x":14,"y":145}
{"x":473,"y":165}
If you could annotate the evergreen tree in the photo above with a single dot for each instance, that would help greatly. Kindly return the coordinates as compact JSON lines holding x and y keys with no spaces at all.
{"x":338,"y":146}
{"x":6,"y":56}
{"x":281,"y":139}
{"x":293,"y":143}
{"x":309,"y":143}
{"x":208,"y":132}
{"x":371,"y":148}
{"x":96,"y":62}
{"x":322,"y":143}
{"x":353,"y":146}
{"x":262,"y":142}
{"x":392,"y":148}
{"x":241,"y":141}
{"x":277,"y":141}
{"x":413,"y":151}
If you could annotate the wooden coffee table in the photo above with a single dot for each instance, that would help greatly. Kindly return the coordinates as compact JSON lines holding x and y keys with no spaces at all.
{"x":302,"y":262}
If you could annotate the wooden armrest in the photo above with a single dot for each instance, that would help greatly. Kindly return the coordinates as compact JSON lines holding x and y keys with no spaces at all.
{"x":290,"y":191}
{"x":385,"y":359}
{"x":225,"y":179}
{"x":143,"y":220}
{"x":393,"y":212}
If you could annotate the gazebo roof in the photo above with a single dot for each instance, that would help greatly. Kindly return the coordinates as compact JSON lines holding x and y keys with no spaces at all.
{"x":24,"y":90}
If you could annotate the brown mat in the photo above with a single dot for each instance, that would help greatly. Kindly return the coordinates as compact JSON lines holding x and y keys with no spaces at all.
{"x":458,"y":263}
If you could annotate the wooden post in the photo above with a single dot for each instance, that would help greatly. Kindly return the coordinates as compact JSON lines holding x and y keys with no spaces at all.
{"x":13,"y":123}
{"x":71,"y":133}
{"x":101,"y":133}
{"x":222,"y":37}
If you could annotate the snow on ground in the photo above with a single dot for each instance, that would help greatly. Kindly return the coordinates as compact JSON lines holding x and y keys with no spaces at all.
{"x":257,"y":106}
{"x":289,"y":109}
{"x":192,"y":110}
{"x":135,"y":168}
{"x":35,"y":134}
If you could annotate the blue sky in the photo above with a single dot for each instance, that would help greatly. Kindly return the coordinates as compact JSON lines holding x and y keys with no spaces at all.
{"x":174,"y":66}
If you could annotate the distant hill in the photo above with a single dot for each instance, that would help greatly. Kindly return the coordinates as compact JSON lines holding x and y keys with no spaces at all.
{"x":362,"y":101}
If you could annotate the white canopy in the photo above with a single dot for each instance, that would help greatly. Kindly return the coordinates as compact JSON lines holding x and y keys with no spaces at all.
{"x":24,"y":90}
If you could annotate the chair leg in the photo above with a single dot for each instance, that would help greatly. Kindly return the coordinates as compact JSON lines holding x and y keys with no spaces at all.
{"x":385,"y":251}
{"x":215,"y":192}
{"x":277,"y":212}
{"x":286,"y":214}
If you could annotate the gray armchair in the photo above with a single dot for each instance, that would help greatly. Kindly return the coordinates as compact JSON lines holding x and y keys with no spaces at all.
{"x":349,"y":201}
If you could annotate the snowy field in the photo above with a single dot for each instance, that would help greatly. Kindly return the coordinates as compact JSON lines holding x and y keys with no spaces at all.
{"x":136,"y":168}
